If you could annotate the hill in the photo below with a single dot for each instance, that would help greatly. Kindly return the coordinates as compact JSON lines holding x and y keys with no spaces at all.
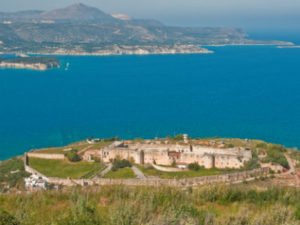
{"x":77,"y":12}
{"x":84,"y":29}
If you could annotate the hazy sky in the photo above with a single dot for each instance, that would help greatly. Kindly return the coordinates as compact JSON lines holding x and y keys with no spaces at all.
{"x":250,"y":14}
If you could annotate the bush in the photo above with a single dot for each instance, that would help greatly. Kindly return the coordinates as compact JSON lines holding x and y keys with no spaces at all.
{"x":73,"y":156}
{"x":297,"y":211}
{"x":194,"y":166}
{"x":178,"y":137}
{"x":173,"y":163}
{"x":262,"y":145}
{"x":252,"y":164}
{"x":111,"y":139}
{"x":7,"y":219}
{"x":276,"y":154}
{"x":119,"y":164}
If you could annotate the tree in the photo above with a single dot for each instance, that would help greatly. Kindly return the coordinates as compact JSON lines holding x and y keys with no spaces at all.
{"x":178,"y":137}
{"x":73,"y":156}
{"x":119,"y":164}
{"x":194,"y":166}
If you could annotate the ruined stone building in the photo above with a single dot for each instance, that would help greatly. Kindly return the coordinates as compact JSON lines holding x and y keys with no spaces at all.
{"x":166,"y":154}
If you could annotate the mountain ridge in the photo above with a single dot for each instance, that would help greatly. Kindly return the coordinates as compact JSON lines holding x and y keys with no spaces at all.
{"x":81,"y":28}
{"x":77,"y":12}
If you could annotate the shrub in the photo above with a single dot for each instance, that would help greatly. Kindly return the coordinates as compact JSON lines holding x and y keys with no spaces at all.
{"x":173,"y":163}
{"x":7,"y":219}
{"x":119,"y":164}
{"x":262,"y":145}
{"x":194,"y":166}
{"x":276,"y":154}
{"x":73,"y":156}
{"x":297,"y":211}
{"x":111,"y":139}
{"x":178,"y":137}
{"x":252,"y":164}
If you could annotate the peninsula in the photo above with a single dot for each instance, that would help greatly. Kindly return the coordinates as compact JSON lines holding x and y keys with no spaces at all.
{"x":83,"y":30}
{"x":34,"y":63}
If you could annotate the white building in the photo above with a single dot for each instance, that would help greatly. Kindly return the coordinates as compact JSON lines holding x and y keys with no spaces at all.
{"x":35,"y":182}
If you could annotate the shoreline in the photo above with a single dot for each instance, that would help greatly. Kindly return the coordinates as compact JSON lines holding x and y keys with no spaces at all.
{"x":294,"y":46}
{"x":289,"y":44}
{"x":204,"y":51}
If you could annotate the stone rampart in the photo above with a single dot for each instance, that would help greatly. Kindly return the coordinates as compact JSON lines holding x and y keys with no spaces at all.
{"x":185,"y":182}
{"x":28,"y":169}
{"x":45,"y":156}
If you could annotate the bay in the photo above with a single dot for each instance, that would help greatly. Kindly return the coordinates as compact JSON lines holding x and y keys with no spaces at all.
{"x":239,"y":91}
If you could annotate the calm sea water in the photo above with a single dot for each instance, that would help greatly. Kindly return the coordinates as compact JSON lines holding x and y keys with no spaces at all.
{"x":246,"y":92}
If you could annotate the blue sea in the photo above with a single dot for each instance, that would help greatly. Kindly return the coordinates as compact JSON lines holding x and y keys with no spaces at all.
{"x":239,"y":91}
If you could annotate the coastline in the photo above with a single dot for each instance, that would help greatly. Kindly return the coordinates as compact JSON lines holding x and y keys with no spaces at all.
{"x":201,"y":49}
{"x":32,"y":63}
{"x":294,"y":46}
{"x":288,"y":45}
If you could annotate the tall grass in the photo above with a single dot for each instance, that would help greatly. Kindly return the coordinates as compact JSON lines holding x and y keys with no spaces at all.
{"x":123,"y":205}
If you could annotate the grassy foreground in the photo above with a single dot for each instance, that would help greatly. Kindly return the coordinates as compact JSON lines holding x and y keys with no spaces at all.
{"x":120,"y":205}
{"x":63,"y":168}
{"x":123,"y":173}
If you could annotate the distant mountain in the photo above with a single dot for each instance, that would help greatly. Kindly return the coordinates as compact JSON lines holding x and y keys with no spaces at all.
{"x":81,"y":28}
{"x":77,"y":12}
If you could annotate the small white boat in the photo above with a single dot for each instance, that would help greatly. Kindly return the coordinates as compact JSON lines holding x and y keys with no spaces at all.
{"x":67,"y":66}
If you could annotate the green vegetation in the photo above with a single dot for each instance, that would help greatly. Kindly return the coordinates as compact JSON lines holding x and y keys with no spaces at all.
{"x":275,"y":154}
{"x":150,"y":171}
{"x":295,"y":154}
{"x":297,"y":211}
{"x":79,"y":146}
{"x":123,"y":173}
{"x":120,"y":205}
{"x":12,"y":173}
{"x":252,"y":164}
{"x":262,"y":145}
{"x":64,"y":149}
{"x":7,"y":219}
{"x":195,"y":166}
{"x":178,"y":137}
{"x":64,"y":169}
{"x":119,"y":164}
{"x":73,"y":156}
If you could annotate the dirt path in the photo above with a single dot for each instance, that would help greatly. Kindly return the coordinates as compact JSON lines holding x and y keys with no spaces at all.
{"x":292,"y":170}
{"x":84,"y":149}
{"x":138,"y":173}
{"x":107,"y":169}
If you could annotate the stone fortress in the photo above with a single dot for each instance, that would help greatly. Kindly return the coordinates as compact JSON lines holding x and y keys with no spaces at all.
{"x":167,"y":154}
